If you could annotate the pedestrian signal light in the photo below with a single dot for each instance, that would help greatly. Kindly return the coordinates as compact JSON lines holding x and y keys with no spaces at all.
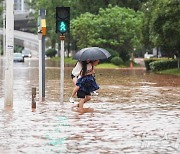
{"x":62,"y":19}
{"x":62,"y":27}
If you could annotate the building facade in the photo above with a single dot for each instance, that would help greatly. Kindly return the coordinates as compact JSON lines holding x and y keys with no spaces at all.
{"x":21,"y":6}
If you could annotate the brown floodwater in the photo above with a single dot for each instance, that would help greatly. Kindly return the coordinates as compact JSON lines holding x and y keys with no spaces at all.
{"x":135,"y":112}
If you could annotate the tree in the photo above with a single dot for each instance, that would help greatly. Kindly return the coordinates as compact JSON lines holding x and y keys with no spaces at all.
{"x":163,"y":18}
{"x":78,"y":8}
{"x":114,"y":27}
{"x":93,"y":6}
{"x":1,"y":13}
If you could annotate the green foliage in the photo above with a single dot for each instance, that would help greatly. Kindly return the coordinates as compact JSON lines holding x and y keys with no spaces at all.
{"x":117,"y":60}
{"x":51,"y":52}
{"x":18,"y":48}
{"x":163,"y":65}
{"x":70,"y":60}
{"x":82,"y":28}
{"x":1,"y":13}
{"x":113,"y":52}
{"x":148,"y":61}
{"x":93,"y":6}
{"x":122,"y":34}
{"x":161,"y":26}
{"x":98,"y":23}
{"x":104,"y":30}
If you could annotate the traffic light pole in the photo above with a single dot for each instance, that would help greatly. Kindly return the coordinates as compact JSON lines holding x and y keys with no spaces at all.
{"x":62,"y":37}
{"x":62,"y":27}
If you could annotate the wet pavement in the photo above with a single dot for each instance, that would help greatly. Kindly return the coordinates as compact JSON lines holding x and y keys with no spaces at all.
{"x":136,"y":112}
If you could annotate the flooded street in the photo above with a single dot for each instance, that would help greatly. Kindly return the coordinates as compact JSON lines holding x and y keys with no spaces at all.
{"x":136,"y":112}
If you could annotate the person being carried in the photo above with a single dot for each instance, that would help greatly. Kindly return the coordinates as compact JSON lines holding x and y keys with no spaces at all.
{"x":85,"y":85}
{"x":82,"y":69}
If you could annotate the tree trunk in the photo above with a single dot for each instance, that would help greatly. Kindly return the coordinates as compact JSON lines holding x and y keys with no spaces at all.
{"x":178,"y":58}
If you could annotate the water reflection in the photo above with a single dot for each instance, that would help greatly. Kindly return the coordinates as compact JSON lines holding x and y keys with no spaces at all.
{"x":135,"y":112}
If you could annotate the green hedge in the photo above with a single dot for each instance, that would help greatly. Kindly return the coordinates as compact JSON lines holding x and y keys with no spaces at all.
{"x":150,"y":60}
{"x":51,"y":52}
{"x":163,"y":65}
{"x":117,"y":60}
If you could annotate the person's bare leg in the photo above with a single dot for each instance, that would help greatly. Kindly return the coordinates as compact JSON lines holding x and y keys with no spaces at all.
{"x":83,"y":100}
{"x":80,"y":106}
{"x":88,"y":109}
{"x":74,"y":80}
{"x":71,"y":100}
{"x":75,"y":91}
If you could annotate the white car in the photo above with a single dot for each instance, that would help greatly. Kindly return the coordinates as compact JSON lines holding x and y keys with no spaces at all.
{"x":18,"y":57}
{"x":26,"y":53}
{"x":147,"y":55}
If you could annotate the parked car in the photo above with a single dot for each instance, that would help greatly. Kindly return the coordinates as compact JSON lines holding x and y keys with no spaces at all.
{"x":26,"y":53}
{"x":147,"y":55}
{"x":18,"y":57}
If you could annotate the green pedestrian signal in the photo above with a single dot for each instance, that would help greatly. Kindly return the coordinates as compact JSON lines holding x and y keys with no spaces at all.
{"x":62,"y":27}
{"x":62,"y":20}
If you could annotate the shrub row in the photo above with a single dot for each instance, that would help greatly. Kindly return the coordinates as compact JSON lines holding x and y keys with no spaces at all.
{"x":163,"y":65}
{"x":148,"y":61}
{"x":157,"y":64}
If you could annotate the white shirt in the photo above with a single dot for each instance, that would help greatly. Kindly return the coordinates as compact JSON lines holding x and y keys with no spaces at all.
{"x":77,"y":69}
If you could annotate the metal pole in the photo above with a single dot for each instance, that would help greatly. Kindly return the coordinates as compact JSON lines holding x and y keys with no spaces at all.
{"x":4,"y":30}
{"x":40,"y":65}
{"x":34,"y":97}
{"x":9,"y":53}
{"x":0,"y":47}
{"x":42,"y":57}
{"x":43,"y":68}
{"x":62,"y":70}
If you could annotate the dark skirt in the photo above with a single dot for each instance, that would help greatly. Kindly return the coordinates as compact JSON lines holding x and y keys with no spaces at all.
{"x":87,"y":84}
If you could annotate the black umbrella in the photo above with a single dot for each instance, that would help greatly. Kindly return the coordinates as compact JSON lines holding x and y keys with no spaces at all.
{"x":92,"y":53}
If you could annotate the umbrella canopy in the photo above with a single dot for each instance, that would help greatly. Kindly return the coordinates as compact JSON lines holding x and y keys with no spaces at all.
{"x":92,"y":53}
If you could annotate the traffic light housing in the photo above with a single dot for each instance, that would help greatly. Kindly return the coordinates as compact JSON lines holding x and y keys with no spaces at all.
{"x":62,"y":19}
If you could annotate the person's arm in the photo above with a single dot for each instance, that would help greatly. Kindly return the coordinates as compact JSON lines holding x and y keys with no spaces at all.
{"x":90,"y":72}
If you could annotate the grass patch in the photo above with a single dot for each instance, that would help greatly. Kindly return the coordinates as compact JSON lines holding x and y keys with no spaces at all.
{"x":174,"y":71}
{"x":70,"y":61}
{"x":106,"y":65}
{"x":66,"y":60}
{"x":55,"y":58}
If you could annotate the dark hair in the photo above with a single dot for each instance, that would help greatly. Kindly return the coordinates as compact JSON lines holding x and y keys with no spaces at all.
{"x":84,"y":68}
